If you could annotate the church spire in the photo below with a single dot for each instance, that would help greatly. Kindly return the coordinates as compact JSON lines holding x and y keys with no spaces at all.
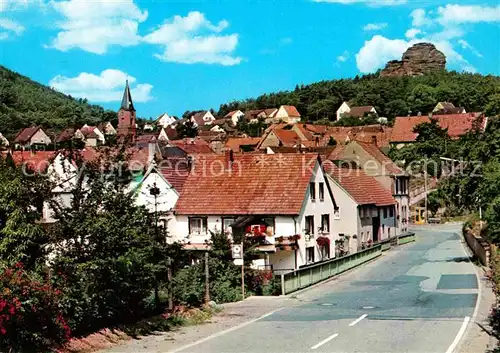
{"x":127,"y":103}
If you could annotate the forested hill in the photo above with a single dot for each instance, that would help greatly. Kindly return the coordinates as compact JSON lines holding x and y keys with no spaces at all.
{"x":24,"y":102}
{"x":391,"y":96}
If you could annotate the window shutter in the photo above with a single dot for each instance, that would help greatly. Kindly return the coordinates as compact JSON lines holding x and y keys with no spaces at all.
{"x":189,"y":225}
{"x":205,"y":224}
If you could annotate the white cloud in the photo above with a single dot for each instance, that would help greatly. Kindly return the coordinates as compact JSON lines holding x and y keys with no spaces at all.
{"x":10,"y":27}
{"x":106,"y":87}
{"x":420,"y":18}
{"x":368,"y":2}
{"x":13,"y":5}
{"x":465,"y":45}
{"x":96,"y":25}
{"x":344,"y":57}
{"x":375,"y":26}
{"x":412,"y":33}
{"x":458,"y":14}
{"x":194,"y":39}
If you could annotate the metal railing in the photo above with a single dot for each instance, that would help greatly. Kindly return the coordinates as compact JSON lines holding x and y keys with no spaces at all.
{"x":305,"y":277}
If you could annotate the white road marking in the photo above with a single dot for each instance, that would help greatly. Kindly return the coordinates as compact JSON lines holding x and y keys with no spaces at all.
{"x":218,"y":334}
{"x":368,"y":307}
{"x":325,"y":341}
{"x":460,"y":333}
{"x":358,"y":320}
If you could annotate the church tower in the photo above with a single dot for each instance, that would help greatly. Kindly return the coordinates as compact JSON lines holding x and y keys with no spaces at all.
{"x":126,"y":117}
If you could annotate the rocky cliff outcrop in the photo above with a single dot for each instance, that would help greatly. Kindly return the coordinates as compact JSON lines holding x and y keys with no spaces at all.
{"x":418,"y":60}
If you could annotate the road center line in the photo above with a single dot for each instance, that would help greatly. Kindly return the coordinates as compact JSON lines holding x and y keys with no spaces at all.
{"x":459,"y":335}
{"x":325,"y":341}
{"x":358,"y":320}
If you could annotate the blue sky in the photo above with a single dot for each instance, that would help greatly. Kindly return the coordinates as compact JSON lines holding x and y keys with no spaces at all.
{"x":187,"y":55}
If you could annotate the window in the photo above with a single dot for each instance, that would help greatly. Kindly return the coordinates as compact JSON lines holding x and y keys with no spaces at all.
{"x":336,"y":213}
{"x":226,"y":225}
{"x":391,"y":211}
{"x":197,"y":225}
{"x":310,"y":254}
{"x":324,"y":251}
{"x":309,"y":225}
{"x":325,"y":223}
{"x":385,"y":212}
{"x":321,"y":191}
{"x":398,"y":184}
{"x":312,"y":190}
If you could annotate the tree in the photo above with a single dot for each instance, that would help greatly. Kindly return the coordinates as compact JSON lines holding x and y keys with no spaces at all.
{"x":186,"y":129}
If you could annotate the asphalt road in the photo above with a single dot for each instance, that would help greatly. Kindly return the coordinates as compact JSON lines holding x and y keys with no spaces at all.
{"x":415,"y":299}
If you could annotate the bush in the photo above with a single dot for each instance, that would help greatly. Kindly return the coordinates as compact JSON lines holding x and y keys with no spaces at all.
{"x":31,"y":319}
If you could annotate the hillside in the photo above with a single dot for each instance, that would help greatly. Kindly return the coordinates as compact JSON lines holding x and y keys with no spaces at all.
{"x":24,"y":102}
{"x":391,"y":96}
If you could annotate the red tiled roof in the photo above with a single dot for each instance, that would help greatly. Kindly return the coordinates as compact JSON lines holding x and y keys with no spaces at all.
{"x":270,"y":112}
{"x":145,"y":138}
{"x":25,"y":135}
{"x":192,"y":145}
{"x":175,"y":170}
{"x":35,"y":161}
{"x":337,"y":154}
{"x":378,"y":155}
{"x":365,"y":190}
{"x":457,"y":125}
{"x":287,"y":137}
{"x":230,"y":114}
{"x":359,"y":133}
{"x":66,"y":135}
{"x":88,"y":131}
{"x":262,"y":184}
{"x":234,"y":143}
{"x":291,"y":111}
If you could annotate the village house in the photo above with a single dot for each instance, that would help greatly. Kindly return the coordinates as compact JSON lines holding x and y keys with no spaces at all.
{"x":192,"y":145}
{"x":285,"y":113}
{"x":346,"y":109}
{"x":290,"y":220}
{"x":165,"y":120}
{"x":376,"y":164}
{"x":253,"y":116}
{"x":32,"y":138}
{"x":456,"y":124}
{"x":366,"y":210}
{"x":3,"y":141}
{"x":242,"y":144}
{"x":107,"y":128}
{"x":234,"y":116}
{"x":205,"y":117}
{"x":447,"y":108}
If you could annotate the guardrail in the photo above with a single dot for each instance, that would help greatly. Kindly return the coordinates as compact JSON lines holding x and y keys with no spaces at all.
{"x":406,"y":238}
{"x":305,"y":277}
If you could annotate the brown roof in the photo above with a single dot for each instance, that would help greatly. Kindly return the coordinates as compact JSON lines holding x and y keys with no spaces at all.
{"x":359,"y":111}
{"x":291,"y":111}
{"x":192,"y":145}
{"x":378,"y":155}
{"x":365,"y":190}
{"x":287,"y":137}
{"x":175,"y":170}
{"x":457,"y":125}
{"x":66,"y":135}
{"x":25,"y":135}
{"x":270,"y":112}
{"x":230,"y":114}
{"x":235,"y":143}
{"x":34,"y":161}
{"x":367,"y":133}
{"x":89,"y":132}
{"x":250,"y":187}
{"x":198,"y":117}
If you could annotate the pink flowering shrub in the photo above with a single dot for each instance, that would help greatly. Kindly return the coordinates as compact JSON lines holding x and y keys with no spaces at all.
{"x":31,"y":319}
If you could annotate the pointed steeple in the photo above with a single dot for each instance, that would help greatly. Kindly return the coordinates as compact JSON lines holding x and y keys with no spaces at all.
{"x":127,"y":103}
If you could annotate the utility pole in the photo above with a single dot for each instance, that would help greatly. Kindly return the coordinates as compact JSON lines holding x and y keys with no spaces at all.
{"x":242,"y":271}
{"x":207,"y":280}
{"x":425,"y":190}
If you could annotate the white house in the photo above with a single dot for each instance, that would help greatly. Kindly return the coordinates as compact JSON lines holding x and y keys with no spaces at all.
{"x":165,"y":120}
{"x":203,"y":118}
{"x":32,"y":136}
{"x":359,"y":112}
{"x":107,"y":128}
{"x":234,"y":116}
{"x":286,"y":113}
{"x":3,"y":141}
{"x":162,"y":136}
{"x":281,"y":202}
{"x":366,"y":210}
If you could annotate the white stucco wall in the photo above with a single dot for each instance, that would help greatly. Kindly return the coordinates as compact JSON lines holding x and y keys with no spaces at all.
{"x":344,"y":108}
{"x":166,"y":199}
{"x":40,"y":137}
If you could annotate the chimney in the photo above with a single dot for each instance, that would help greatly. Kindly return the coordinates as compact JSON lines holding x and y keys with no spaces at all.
{"x":374,"y":139}
{"x":229,"y":154}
